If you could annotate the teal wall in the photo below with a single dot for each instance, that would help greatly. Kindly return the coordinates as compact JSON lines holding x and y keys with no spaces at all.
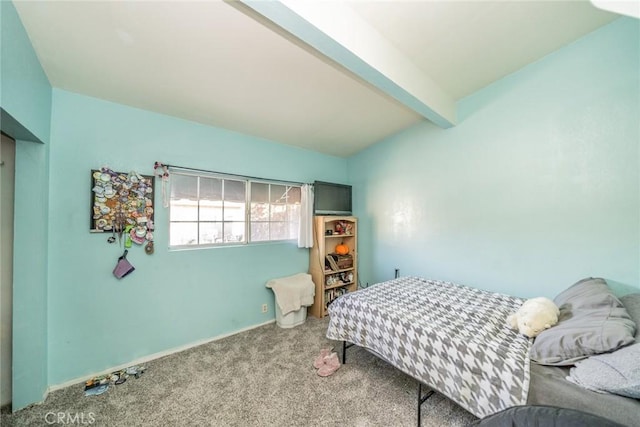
{"x":25,"y":101}
{"x":536,"y":187}
{"x":25,"y":89}
{"x":173,"y":298}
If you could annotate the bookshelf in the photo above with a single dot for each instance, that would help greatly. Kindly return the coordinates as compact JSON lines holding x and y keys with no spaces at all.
{"x":333,"y":274}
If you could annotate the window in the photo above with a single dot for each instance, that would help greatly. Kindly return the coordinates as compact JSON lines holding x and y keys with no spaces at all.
{"x":206,"y":210}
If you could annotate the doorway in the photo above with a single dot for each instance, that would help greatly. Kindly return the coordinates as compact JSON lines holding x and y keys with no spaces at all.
{"x":7,"y":188}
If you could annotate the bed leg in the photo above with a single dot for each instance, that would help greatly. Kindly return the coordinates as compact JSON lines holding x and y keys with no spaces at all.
{"x":421,"y":400}
{"x":345,"y":346}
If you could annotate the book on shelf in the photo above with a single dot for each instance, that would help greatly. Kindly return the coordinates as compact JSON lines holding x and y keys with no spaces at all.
{"x":331,"y":295}
{"x":332,"y":263}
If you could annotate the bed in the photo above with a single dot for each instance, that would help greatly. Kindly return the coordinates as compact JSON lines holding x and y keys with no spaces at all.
{"x":454,"y":339}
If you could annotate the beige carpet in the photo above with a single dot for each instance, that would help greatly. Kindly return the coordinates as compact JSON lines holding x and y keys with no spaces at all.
{"x":262,"y":377}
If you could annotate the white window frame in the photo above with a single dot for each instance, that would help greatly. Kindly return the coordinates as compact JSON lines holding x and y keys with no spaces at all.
{"x":248,"y":181}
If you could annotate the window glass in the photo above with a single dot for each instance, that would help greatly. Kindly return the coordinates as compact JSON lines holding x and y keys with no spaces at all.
{"x":183,"y":233}
{"x":184,"y":187}
{"x":234,"y":232}
{"x":210,"y":199}
{"x":210,"y":233}
{"x":259,"y":231}
{"x":184,"y":198}
{"x":259,"y":202}
{"x":235,"y":200}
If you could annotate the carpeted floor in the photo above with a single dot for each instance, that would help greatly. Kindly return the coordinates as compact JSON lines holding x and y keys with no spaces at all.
{"x":262,"y":377}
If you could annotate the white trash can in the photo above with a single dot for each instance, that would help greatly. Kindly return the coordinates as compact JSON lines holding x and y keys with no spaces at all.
{"x":290,"y":319}
{"x":293,"y":295}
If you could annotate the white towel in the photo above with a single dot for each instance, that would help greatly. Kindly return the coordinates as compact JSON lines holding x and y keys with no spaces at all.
{"x":293,"y":292}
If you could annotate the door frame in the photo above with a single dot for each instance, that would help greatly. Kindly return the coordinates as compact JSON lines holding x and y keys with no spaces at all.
{"x":7,"y":200}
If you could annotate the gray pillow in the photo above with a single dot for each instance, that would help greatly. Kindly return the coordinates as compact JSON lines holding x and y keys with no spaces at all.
{"x":592,"y":321}
{"x":617,"y":372}
{"x":632,"y":303}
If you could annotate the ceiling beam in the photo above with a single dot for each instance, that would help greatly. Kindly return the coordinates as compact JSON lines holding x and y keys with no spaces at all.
{"x":339,"y":33}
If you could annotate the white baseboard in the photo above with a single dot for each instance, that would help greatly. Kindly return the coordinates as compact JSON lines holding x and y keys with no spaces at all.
{"x":145,"y":359}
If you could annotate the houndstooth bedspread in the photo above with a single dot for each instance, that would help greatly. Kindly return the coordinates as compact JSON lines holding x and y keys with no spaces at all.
{"x":450,"y":337}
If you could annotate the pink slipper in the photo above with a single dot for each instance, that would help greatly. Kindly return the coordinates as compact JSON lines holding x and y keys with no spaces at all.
{"x":331,"y":364}
{"x":319,"y":362}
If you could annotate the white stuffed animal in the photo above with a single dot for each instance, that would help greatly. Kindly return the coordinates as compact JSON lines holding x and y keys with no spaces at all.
{"x":534,"y":316}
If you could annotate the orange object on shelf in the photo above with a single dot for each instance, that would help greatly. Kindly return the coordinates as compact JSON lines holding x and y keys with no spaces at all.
{"x":342,"y":249}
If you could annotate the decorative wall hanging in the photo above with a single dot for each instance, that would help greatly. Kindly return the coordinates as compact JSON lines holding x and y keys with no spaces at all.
{"x":122,"y":204}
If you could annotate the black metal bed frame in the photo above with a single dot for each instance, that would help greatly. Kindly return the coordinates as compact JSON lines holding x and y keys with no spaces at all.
{"x":421,"y":398}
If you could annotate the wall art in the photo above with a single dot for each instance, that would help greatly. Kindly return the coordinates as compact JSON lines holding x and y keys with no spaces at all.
{"x":122,"y":204}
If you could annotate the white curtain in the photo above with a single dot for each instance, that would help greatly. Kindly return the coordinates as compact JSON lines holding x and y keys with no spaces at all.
{"x":305,"y":235}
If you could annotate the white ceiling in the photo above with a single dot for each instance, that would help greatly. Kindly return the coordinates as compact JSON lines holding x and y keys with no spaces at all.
{"x":227,"y":65}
